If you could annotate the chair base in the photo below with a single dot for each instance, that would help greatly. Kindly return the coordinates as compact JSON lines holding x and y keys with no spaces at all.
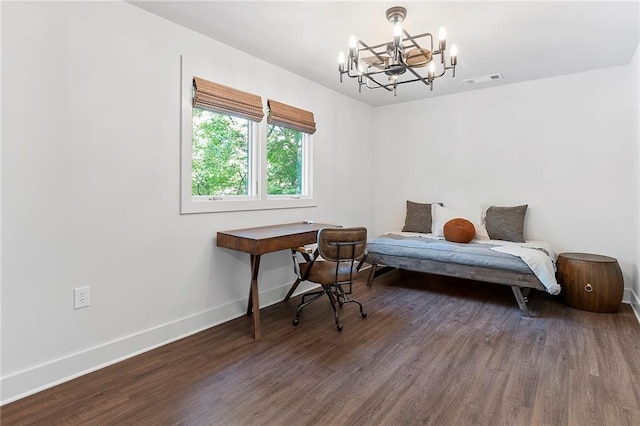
{"x":335,"y":293}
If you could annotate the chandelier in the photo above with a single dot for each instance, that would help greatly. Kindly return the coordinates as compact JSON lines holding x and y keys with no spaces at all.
{"x":389,"y":64}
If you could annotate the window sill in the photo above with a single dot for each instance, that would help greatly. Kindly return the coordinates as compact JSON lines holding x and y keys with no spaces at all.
{"x":191,"y":206}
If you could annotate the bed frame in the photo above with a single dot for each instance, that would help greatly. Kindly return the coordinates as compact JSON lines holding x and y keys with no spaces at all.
{"x":520,"y":283}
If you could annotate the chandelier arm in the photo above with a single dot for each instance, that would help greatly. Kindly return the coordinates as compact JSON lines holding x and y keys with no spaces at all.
{"x":397,"y":83}
{"x":364,"y":74}
{"x":425,"y":80}
{"x":348,"y":73}
{"x":413,"y":80}
{"x":372,"y":50}
{"x":414,"y":38}
{"x":414,"y":72}
{"x":384,"y":86}
{"x":453,"y":68}
{"x":444,"y":71}
{"x":370,"y":73}
{"x":369,"y":76}
{"x":419,"y":77}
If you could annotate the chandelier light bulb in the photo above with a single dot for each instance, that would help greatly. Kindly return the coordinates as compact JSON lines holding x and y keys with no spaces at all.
{"x":442,"y":34}
{"x":341,"y":58}
{"x":442,"y":42}
{"x":397,"y":38}
{"x":353,"y":54}
{"x":454,"y":50}
{"x":397,"y":30}
{"x":432,"y":69}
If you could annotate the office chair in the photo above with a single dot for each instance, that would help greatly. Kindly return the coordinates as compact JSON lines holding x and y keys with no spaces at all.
{"x":340,"y":248}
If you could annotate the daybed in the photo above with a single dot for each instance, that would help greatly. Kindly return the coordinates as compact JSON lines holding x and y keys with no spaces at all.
{"x":521,"y":265}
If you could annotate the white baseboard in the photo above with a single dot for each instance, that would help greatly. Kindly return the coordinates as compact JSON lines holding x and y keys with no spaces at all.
{"x":631,"y":298}
{"x":27,"y":382}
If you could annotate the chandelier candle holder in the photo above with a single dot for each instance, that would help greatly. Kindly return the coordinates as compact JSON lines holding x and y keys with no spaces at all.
{"x":385,"y":65}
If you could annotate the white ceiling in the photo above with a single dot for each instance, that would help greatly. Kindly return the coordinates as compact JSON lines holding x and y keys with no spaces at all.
{"x":522,"y":40}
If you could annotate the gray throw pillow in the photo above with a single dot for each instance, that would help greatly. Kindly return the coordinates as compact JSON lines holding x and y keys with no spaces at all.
{"x":418,"y":218}
{"x":506,"y":223}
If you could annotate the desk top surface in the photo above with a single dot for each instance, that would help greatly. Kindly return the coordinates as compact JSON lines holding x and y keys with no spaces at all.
{"x":273,"y":231}
{"x":265,"y":239}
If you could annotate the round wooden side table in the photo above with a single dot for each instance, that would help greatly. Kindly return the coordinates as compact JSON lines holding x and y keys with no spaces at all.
{"x":590,"y":282}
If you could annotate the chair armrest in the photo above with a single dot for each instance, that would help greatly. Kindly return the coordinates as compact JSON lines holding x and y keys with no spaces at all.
{"x":303,"y":249}
{"x":309,"y":254}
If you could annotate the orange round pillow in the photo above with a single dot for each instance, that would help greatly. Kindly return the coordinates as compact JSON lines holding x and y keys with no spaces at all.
{"x":459,"y":230}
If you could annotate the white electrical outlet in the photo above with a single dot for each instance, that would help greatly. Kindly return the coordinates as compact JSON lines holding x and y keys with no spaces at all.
{"x":81,"y":297}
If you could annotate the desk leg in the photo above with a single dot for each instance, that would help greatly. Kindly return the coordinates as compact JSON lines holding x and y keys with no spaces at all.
{"x":254,"y":304}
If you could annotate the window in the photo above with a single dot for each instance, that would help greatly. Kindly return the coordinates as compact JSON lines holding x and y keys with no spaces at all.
{"x":223,"y":155}
{"x":287,"y":162}
{"x":289,"y":150}
{"x":232,"y":160}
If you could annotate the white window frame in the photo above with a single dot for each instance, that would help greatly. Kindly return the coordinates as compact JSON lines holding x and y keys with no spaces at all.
{"x":258,"y":198}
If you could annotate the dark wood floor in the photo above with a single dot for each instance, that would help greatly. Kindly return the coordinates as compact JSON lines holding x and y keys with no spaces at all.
{"x":433,"y":350}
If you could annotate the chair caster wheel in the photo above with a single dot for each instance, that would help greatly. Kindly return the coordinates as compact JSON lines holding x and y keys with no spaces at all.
{"x":364,"y":314}
{"x":295,"y":321}
{"x":339,"y":326}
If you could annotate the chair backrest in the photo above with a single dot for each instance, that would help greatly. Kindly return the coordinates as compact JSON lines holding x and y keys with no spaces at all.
{"x":341,"y":244}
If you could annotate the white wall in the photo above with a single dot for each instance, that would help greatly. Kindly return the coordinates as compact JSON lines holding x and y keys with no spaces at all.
{"x":634,"y":76}
{"x":90,"y":196}
{"x":565,"y":146}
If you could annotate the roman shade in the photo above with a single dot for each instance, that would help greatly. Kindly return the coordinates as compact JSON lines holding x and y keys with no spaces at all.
{"x":290,"y":117}
{"x":226,"y":100}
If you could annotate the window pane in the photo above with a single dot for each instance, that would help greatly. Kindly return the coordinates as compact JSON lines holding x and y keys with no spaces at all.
{"x":220,"y":164}
{"x":284,"y":161}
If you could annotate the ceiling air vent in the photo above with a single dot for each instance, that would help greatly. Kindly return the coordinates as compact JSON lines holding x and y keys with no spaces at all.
{"x":484,"y":78}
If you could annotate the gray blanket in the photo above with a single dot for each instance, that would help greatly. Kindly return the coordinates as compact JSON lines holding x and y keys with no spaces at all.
{"x":472,"y":254}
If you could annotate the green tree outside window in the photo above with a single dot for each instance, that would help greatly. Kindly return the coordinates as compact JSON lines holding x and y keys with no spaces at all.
{"x":284,"y":161}
{"x":220,"y":164}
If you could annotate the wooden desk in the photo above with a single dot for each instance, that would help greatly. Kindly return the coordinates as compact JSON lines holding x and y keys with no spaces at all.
{"x":267,"y":239}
